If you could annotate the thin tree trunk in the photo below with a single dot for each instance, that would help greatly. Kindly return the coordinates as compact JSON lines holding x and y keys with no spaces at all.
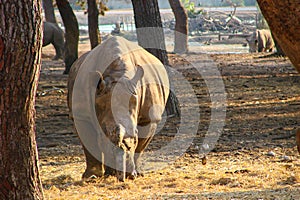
{"x":49,"y":11}
{"x":151,"y":37}
{"x":93,"y":14}
{"x":71,"y":33}
{"x":283,"y":18}
{"x":20,"y":62}
{"x":181,"y":26}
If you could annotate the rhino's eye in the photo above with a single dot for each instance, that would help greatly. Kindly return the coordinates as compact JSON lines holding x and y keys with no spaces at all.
{"x":99,"y":85}
{"x":117,"y":129}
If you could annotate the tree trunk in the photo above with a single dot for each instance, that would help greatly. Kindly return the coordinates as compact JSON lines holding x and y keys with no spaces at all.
{"x":49,"y":11}
{"x":181,"y":26}
{"x":283,"y":18}
{"x":20,"y":62}
{"x":93,"y":14}
{"x":279,"y":51}
{"x":71,"y":33}
{"x":151,"y":37}
{"x":149,"y":28}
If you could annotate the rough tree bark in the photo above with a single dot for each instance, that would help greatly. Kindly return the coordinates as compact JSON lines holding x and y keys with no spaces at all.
{"x":20,"y":62}
{"x":149,"y":28}
{"x":151,"y":37}
{"x":71,"y":33}
{"x":279,"y":51}
{"x":283,"y":18}
{"x":181,"y":26}
{"x":49,"y":11}
{"x":93,"y":14}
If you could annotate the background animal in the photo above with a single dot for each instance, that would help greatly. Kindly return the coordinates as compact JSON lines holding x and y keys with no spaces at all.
{"x":54,"y":35}
{"x":261,"y":41}
{"x":131,"y":94}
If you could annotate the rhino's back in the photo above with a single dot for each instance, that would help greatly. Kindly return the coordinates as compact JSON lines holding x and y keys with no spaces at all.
{"x":71,"y":80}
{"x":154,"y":89}
{"x":116,"y":58}
{"x":154,"y":86}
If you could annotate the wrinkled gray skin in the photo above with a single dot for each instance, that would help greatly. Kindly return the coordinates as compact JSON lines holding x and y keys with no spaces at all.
{"x":54,"y":35}
{"x":129,"y":127}
{"x":261,"y":41}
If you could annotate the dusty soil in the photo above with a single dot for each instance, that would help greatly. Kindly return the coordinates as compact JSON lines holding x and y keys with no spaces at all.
{"x":255,"y":157}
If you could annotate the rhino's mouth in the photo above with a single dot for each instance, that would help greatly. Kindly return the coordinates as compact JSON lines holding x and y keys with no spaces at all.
{"x":125,"y":165}
{"x":125,"y":154}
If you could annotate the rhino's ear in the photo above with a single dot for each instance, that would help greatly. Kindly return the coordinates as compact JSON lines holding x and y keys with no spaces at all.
{"x":101,"y":83}
{"x":97,"y":78}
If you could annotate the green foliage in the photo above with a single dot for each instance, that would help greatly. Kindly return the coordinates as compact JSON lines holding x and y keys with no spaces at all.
{"x":82,"y":4}
{"x":190,"y":7}
{"x":101,"y":5}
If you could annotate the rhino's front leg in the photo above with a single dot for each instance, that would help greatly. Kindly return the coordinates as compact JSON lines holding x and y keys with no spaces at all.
{"x":145,"y":135}
{"x":94,"y":168}
{"x":120,"y":164}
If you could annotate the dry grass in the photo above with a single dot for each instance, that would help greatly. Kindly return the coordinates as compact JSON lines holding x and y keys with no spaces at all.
{"x":225,"y":176}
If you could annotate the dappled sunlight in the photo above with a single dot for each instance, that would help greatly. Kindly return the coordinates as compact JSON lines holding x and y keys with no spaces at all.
{"x":255,"y":156}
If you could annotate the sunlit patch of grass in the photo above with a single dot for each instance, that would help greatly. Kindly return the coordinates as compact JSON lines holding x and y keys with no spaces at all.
{"x":227,"y":174}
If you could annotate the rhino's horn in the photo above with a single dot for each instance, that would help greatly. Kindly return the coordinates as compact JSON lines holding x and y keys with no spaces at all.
{"x":138,"y":75}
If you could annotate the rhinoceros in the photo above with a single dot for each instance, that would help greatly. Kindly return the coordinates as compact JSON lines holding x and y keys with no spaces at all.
{"x":261,"y":41}
{"x":54,"y":35}
{"x":130,"y":94}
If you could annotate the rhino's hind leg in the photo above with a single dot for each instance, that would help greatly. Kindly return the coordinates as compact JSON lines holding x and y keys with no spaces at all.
{"x":94,"y":168}
{"x":145,"y":134}
{"x":58,"y":52}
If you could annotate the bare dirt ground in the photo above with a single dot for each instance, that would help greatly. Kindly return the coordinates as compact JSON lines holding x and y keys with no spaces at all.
{"x":255,"y":157}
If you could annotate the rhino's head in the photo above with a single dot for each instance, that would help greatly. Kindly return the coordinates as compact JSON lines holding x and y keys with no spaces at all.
{"x":117,"y":110}
{"x":253,"y":43}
